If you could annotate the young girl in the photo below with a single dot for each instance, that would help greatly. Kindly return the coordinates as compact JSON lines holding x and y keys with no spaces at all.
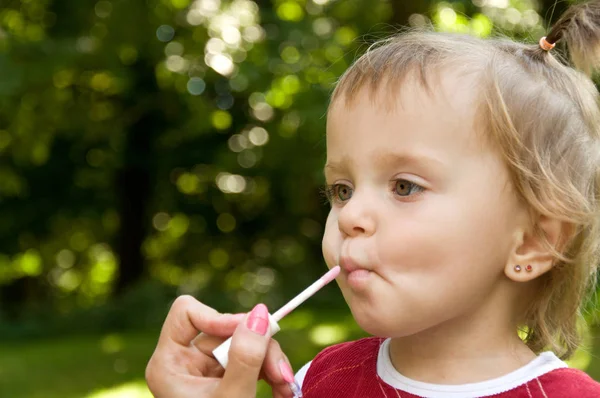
{"x":464,"y":180}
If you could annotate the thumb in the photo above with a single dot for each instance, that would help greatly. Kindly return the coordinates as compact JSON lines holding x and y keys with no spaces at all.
{"x":247,"y":353}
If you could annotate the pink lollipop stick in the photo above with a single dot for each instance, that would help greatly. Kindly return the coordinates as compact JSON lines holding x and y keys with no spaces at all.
{"x":221,"y":353}
{"x":306,"y":293}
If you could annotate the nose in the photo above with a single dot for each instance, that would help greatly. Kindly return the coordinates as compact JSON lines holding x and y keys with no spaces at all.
{"x":357,"y":217}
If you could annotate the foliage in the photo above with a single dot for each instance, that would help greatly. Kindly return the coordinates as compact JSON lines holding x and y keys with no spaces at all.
{"x":167,"y":140}
{"x":179,"y":141}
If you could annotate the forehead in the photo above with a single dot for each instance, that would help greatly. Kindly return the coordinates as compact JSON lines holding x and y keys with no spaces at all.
{"x":440,"y":117}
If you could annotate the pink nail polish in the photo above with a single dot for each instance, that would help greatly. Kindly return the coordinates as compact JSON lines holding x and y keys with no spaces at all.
{"x":258,"y":320}
{"x":288,"y":376}
{"x":286,"y":371}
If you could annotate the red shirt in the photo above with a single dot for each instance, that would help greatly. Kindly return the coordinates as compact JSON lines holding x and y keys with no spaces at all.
{"x":349,"y":370}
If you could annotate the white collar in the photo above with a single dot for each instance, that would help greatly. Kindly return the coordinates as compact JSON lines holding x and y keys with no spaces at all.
{"x":544,"y":363}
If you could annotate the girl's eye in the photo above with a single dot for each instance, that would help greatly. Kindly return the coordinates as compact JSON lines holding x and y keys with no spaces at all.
{"x":406,"y":188}
{"x":343,"y":192}
{"x":339,"y":192}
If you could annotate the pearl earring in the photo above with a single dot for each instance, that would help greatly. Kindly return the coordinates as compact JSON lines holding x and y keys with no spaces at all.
{"x":517,"y":268}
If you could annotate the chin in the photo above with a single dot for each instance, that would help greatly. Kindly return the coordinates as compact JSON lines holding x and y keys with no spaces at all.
{"x":384,"y":326}
{"x":372,"y":325}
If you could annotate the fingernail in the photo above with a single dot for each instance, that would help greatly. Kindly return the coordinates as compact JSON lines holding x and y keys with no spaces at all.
{"x":288,"y":376}
{"x":286,"y":371}
{"x":258,"y":320}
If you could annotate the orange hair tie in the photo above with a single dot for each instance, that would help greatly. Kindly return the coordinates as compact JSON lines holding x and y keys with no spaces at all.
{"x":546,"y":45}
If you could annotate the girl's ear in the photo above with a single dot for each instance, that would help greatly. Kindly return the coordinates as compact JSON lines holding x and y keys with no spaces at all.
{"x":531,"y":255}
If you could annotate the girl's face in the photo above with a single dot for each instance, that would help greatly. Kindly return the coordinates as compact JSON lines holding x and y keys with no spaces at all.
{"x":423,"y":214}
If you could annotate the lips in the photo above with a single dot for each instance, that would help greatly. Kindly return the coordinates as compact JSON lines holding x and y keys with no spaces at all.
{"x":348,"y":265}
{"x":354,"y":256}
{"x":356,"y":276}
{"x":357,"y":264}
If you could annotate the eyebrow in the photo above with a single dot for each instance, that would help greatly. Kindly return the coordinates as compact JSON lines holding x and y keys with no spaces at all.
{"x":385,"y":158}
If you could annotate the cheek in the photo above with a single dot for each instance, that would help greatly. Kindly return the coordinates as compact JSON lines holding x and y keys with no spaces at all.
{"x":332,"y":240}
{"x":484,"y":229}
{"x":446,"y":240}
{"x":414,"y":237}
{"x":431,"y":237}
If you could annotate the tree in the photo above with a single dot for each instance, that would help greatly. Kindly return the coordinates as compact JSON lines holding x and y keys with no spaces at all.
{"x":180,"y":141}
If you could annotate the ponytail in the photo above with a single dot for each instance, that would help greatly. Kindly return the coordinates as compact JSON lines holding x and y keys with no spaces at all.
{"x":579,"y":29}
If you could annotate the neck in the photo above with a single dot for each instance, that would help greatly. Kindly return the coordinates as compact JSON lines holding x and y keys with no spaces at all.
{"x":464,"y":350}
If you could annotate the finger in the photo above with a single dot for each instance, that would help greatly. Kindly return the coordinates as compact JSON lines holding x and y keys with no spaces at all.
{"x":271,"y":371}
{"x":206,"y":363}
{"x":281,"y":384}
{"x":281,"y":391}
{"x":188,"y":317}
{"x":205,"y":343}
{"x":246,"y":355}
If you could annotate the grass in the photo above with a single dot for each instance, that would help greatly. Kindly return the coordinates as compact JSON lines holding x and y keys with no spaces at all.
{"x":75,"y":367}
{"x":112,"y":366}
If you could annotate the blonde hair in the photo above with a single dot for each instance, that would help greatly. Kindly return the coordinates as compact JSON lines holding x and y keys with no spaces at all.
{"x":543,"y":116}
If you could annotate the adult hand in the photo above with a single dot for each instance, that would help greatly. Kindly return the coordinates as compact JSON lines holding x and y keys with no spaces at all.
{"x":183,"y":366}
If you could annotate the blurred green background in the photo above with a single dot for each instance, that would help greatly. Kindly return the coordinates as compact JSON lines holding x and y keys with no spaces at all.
{"x":151,"y":148}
